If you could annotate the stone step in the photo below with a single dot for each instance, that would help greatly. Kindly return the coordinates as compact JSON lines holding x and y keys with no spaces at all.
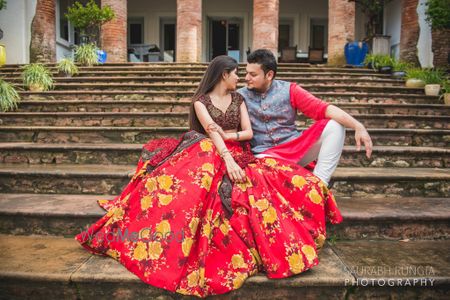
{"x":174,"y":119}
{"x":183,"y":106}
{"x":140,"y":135}
{"x":191,"y":87}
{"x":128,"y":154}
{"x":337,"y":79}
{"x":36,"y":267}
{"x":367,"y":218}
{"x":98,"y":179}
{"x":340,"y":97}
{"x":198,"y":67}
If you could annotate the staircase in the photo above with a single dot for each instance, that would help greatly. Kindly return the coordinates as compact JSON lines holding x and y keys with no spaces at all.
{"x":66,"y":148}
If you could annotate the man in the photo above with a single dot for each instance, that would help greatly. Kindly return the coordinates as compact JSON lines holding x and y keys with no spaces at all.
{"x":272,"y":105}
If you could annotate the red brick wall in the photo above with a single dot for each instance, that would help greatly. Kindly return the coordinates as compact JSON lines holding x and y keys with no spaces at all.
{"x":441,"y":47}
{"x":265,"y":25}
{"x":409,"y":35}
{"x":114,"y":33}
{"x":341,"y":25}
{"x":43,"y":33}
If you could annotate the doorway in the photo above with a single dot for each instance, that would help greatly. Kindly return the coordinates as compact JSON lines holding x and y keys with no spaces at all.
{"x":225,"y":36}
{"x":167,"y":40}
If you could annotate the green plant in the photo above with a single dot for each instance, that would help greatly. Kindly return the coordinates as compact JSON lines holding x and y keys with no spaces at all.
{"x":438,"y":13}
{"x":86,"y":54}
{"x":433,"y":76}
{"x":379,"y":60}
{"x":2,"y":4}
{"x":38,"y":75}
{"x":401,"y":66}
{"x":9,"y":97}
{"x":89,"y":18}
{"x":67,"y":66}
{"x":414,"y":73}
{"x":445,"y":85}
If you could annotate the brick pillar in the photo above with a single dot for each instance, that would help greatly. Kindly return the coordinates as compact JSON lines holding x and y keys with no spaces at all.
{"x":409,"y":34}
{"x":189,"y":30}
{"x":114,"y":33}
{"x":43,"y":33}
{"x":341,"y":25}
{"x":441,"y":47}
{"x":265,"y":25}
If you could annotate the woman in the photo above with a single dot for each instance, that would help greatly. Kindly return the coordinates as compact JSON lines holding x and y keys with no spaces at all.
{"x":201,"y":214}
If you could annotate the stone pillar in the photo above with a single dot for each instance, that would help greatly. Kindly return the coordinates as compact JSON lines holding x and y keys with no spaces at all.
{"x":341,"y":25}
{"x":409,"y":35}
{"x":189,"y":31}
{"x":43,"y":33}
{"x":114,"y":33}
{"x":265,"y":25}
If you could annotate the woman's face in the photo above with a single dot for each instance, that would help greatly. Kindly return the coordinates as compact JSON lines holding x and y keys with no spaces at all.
{"x":231,"y":80}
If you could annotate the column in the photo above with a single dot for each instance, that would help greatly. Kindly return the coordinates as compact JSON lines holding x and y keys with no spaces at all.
{"x":189,"y":31}
{"x":409,"y":35}
{"x":114,"y":33}
{"x":43,"y":33}
{"x":341,"y":25}
{"x":265,"y":25}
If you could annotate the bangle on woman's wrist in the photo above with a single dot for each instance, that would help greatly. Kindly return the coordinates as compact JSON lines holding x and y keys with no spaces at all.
{"x":237,"y":136}
{"x":223,"y":152}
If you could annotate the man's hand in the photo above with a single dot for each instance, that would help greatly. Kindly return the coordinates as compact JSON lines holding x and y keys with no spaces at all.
{"x":363,"y":137}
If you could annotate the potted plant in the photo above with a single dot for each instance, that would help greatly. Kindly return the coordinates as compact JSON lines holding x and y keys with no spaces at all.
{"x":446,"y":91}
{"x":86,"y":54}
{"x":399,"y":68}
{"x":414,"y":78}
{"x":433,"y":79}
{"x":88,"y":19}
{"x":382,"y":63}
{"x":67,"y":67}
{"x":37,"y":77}
{"x":9,"y":97}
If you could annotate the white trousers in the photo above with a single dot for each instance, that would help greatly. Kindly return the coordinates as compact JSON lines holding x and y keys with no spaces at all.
{"x":327,"y":150}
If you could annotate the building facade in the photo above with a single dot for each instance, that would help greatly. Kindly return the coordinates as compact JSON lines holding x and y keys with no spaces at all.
{"x":199,"y":30}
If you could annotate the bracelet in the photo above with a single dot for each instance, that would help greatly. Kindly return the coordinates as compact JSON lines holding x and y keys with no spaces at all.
{"x":224,"y":151}
{"x":237,"y":136}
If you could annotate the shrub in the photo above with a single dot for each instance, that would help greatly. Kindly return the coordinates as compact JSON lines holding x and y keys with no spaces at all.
{"x":38,"y":75}
{"x":9,"y":97}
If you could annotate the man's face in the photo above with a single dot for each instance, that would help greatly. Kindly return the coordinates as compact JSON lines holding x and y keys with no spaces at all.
{"x":256,"y":79}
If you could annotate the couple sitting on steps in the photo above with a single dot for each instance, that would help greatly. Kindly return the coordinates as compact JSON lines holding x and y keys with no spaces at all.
{"x":231,"y":197}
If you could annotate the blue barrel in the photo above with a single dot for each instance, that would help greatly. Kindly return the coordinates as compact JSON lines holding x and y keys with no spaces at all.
{"x":355,"y":53}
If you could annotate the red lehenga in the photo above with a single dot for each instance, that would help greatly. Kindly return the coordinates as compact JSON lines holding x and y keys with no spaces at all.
{"x":181,"y":225}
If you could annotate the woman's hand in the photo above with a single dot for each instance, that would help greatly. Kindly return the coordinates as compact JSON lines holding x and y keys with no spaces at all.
{"x":363,"y":137}
{"x":234,"y":171}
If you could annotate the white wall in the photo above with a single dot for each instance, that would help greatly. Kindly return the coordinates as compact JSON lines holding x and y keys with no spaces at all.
{"x":15,"y":21}
{"x":424,"y":47}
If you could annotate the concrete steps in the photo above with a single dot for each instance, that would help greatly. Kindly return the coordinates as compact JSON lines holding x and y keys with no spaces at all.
{"x":138,"y":95}
{"x":183,"y":106}
{"x":75,"y":274}
{"x":104,"y":134}
{"x":101,"y":179}
{"x":365,"y":218}
{"x":175,"y":119}
{"x":128,"y":154}
{"x":65,"y":149}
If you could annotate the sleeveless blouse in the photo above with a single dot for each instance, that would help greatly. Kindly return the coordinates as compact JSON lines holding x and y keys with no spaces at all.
{"x":231,"y":119}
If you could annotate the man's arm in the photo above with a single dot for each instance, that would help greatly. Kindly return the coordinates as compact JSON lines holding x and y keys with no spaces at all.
{"x":343,"y":118}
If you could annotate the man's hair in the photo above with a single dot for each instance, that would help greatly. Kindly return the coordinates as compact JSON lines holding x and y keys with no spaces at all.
{"x":265,"y":58}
